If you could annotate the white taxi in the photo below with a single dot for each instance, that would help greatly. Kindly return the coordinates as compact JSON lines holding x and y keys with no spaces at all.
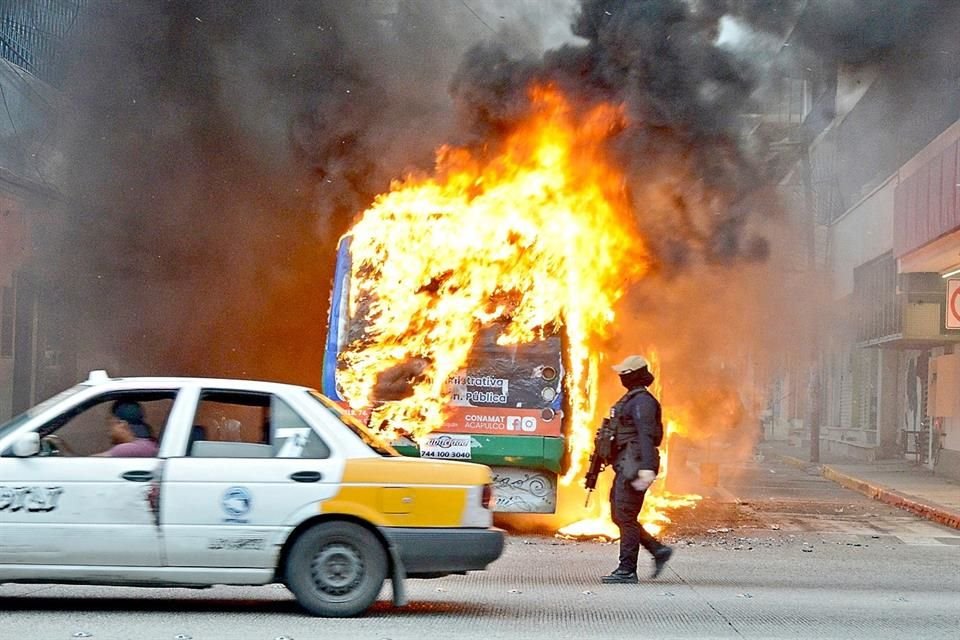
{"x":229,"y":482}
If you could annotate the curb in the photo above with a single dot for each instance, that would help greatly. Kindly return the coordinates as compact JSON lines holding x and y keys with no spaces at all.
{"x":878,"y":492}
{"x":795,"y":462}
{"x":894,"y":498}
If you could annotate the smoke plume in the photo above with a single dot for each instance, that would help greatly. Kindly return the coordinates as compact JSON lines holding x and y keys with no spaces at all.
{"x":214,"y":152}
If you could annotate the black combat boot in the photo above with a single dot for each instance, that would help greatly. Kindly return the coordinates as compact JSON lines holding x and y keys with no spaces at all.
{"x":660,"y":557}
{"x":620,"y":576}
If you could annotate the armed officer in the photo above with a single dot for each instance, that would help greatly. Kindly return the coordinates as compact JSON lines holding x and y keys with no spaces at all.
{"x":638,"y":428}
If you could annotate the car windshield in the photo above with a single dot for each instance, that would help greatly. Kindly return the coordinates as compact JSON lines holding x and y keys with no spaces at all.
{"x":16,"y":421}
{"x":372,"y":440}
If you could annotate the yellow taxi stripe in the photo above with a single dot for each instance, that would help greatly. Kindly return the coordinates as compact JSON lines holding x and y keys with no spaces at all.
{"x":414,"y":471}
{"x":404,"y":492}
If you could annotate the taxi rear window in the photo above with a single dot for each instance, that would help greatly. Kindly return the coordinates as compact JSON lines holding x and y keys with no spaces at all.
{"x":371,"y":439}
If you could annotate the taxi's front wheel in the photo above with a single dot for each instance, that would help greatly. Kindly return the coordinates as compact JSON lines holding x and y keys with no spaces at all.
{"x":336,"y":569}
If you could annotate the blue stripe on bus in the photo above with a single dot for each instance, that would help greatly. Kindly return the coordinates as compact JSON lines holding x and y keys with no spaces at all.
{"x":329,"y":379}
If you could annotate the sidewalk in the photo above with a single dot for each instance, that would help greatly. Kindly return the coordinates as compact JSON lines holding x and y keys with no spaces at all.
{"x":900,"y":483}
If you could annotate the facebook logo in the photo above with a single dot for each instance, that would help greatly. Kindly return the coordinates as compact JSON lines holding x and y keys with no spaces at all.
{"x":527,"y":424}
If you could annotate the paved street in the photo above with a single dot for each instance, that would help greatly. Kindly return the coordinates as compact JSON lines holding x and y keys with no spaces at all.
{"x":486,"y":229}
{"x":779,"y":553}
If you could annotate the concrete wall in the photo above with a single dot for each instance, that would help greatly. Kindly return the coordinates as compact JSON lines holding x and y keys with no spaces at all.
{"x":949,"y":464}
{"x":852,"y":83}
{"x":862,"y":234}
{"x":14,"y":242}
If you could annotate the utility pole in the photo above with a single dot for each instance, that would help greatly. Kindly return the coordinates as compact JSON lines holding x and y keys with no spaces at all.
{"x":814,"y":378}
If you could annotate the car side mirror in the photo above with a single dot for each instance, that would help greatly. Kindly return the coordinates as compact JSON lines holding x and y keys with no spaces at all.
{"x":27,"y":445}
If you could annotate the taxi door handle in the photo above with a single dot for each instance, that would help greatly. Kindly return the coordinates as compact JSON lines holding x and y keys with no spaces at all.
{"x":138,"y":476}
{"x":306,"y":476}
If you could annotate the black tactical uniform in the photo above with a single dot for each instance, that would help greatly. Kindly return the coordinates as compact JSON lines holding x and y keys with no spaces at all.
{"x":637,"y":421}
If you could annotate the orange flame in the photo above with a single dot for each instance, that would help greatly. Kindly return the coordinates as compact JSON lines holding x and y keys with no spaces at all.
{"x":658,"y":499}
{"x":537,"y":235}
{"x":534,"y":234}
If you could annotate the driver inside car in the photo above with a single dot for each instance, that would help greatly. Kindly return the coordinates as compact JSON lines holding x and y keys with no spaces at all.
{"x":131,"y":436}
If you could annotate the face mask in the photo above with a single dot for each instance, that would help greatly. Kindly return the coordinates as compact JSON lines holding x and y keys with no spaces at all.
{"x":639,"y":378}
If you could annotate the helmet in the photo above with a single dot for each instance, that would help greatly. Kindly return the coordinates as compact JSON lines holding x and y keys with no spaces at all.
{"x":630,"y":364}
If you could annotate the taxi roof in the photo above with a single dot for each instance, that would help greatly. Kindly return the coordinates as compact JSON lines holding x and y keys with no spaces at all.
{"x":100,"y":377}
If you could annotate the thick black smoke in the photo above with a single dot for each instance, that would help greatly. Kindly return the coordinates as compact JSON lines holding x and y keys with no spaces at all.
{"x":684,"y":97}
{"x":214,"y":152}
{"x":693,"y":180}
{"x":871,"y":31}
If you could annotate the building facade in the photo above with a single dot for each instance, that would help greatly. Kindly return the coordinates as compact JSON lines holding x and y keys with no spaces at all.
{"x":36,"y":348}
{"x":927,"y":245}
{"x":875,"y":151}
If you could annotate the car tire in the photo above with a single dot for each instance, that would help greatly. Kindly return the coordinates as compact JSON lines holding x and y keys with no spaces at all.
{"x":336,"y":569}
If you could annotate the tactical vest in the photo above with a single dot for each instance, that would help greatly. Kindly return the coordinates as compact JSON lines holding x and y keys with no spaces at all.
{"x":622,"y":423}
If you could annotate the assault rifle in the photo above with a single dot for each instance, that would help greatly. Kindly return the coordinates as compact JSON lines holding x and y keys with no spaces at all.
{"x":601,"y":457}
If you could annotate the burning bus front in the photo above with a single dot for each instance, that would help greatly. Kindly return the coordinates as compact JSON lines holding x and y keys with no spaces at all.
{"x":504,"y":407}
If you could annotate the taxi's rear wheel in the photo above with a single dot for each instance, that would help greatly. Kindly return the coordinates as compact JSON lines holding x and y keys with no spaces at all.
{"x":336,"y":569}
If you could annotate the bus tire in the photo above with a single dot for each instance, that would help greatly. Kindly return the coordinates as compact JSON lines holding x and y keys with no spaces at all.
{"x":336,"y":569}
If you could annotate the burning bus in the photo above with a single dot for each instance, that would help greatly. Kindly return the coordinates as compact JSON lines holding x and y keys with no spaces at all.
{"x":467,"y":304}
{"x":505,"y":406}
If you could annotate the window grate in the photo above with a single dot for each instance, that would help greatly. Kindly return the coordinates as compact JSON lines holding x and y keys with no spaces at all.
{"x":33,"y":34}
{"x":878,"y":304}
